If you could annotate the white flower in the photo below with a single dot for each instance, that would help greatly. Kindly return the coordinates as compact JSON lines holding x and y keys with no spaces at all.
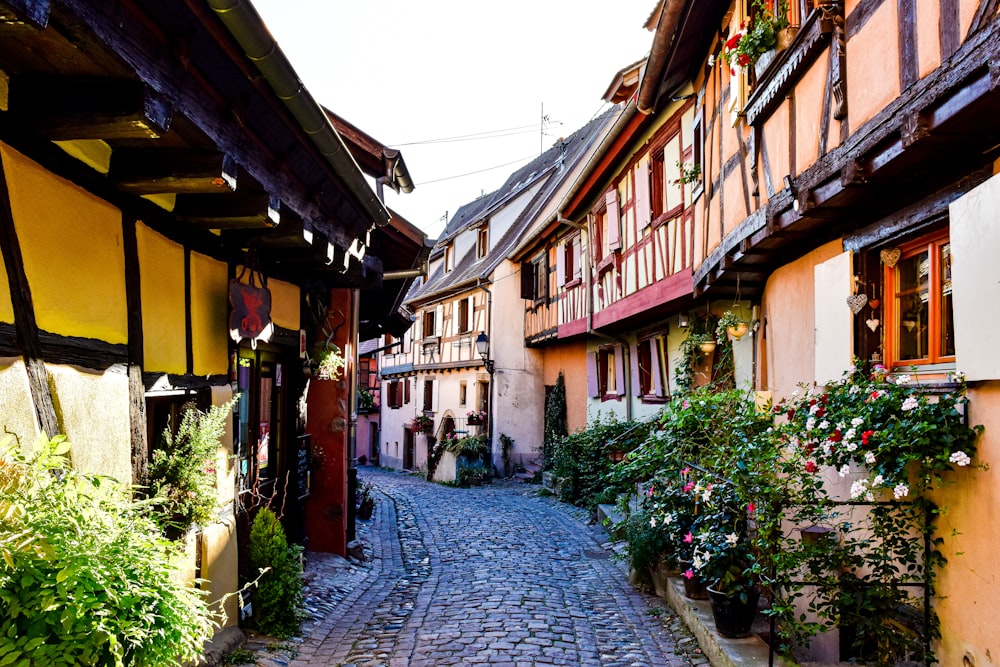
{"x":859,"y":488}
{"x":852,"y":446}
{"x":652,"y":522}
{"x":869,"y":457}
{"x":854,"y":389}
{"x":668,"y":519}
{"x":707,"y":494}
{"x":697,"y":561}
{"x":870,"y":497}
{"x":841,"y":426}
{"x":878,"y":480}
{"x":810,"y":423}
{"x":857,"y":421}
{"x":827,"y":447}
{"x":814,"y":409}
{"x":960,"y":458}
{"x":903,"y":379}
{"x":732,"y":539}
{"x":910,"y":403}
{"x":901,"y":491}
{"x":844,"y":469}
{"x":824,"y":424}
{"x":850,"y":434}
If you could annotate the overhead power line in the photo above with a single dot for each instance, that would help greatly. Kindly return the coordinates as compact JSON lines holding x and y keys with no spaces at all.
{"x":489,"y":134}
{"x":478,"y":171}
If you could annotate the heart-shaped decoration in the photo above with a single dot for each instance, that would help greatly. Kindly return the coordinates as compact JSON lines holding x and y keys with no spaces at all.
{"x":890,"y":256}
{"x":872,"y":323}
{"x":873,"y":303}
{"x":856,"y":302}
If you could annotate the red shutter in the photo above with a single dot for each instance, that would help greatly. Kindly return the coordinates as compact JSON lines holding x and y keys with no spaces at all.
{"x":406,"y":390}
{"x":612,"y":220}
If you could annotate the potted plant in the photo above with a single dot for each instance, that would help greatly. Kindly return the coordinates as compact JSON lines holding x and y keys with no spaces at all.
{"x":366,"y":401}
{"x":422,"y":424}
{"x":476,"y":417}
{"x":365,"y":501}
{"x":327,"y":361}
{"x":747,"y":45}
{"x":731,"y":325}
{"x":688,"y":175}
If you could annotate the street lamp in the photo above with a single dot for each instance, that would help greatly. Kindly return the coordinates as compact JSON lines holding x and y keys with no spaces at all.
{"x":483,"y":348}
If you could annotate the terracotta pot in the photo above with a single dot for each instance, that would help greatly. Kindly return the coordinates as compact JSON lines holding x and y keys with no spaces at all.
{"x":707,"y":347}
{"x":785,"y":37}
{"x":738,"y":331}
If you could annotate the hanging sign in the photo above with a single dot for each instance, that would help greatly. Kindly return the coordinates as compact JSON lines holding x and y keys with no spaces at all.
{"x":251,"y":312}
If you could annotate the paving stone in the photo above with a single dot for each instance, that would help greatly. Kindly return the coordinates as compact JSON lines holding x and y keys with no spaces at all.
{"x":495,"y":575}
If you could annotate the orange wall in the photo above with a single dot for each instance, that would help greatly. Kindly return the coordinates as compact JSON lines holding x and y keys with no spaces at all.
{"x":570,"y":358}
{"x":871,"y":87}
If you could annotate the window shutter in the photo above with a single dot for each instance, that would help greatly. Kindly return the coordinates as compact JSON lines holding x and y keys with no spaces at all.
{"x":834,"y":330}
{"x":593,"y":386}
{"x":438,"y":321}
{"x":620,"y":387}
{"x":612,"y":220}
{"x":654,"y":368}
{"x":434,"y":395}
{"x":643,"y":204}
{"x":561,"y":278}
{"x":975,"y":243}
{"x":527,"y":280}
{"x":406,"y":390}
{"x":576,"y":249}
{"x":470,"y":313}
{"x":636,"y":385}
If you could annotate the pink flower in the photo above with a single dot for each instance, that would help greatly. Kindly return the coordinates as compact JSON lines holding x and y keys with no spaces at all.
{"x":686,"y":470}
{"x":751,"y":507}
{"x":688,"y":574}
{"x":688,"y":486}
{"x":689,"y":538}
{"x":650,"y":491}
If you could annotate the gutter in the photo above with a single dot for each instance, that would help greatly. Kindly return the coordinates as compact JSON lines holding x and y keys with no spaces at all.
{"x":666,"y":30}
{"x":246,"y":26}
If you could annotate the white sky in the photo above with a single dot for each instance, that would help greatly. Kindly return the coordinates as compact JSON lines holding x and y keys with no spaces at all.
{"x":407,"y":71}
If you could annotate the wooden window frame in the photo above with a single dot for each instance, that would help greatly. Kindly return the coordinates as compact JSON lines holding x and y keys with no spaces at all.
{"x":429,"y":327}
{"x":464,"y":323}
{"x":482,"y":241}
{"x":394,"y":398}
{"x":932,"y":244}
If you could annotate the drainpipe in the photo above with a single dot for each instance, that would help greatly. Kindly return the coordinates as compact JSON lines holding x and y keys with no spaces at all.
{"x":352,"y":419}
{"x":246,"y":26}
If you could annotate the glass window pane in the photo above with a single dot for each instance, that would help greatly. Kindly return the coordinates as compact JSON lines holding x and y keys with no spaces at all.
{"x":912,"y":293}
{"x":947,"y":322}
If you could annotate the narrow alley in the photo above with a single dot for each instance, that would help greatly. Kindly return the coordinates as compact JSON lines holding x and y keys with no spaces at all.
{"x":492,"y":575}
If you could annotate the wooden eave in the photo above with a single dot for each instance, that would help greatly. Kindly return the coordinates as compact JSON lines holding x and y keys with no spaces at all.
{"x":188,"y":120}
{"x":940,"y":136}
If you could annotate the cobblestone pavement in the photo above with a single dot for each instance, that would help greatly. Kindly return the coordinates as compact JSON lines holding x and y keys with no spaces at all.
{"x":495,"y":575}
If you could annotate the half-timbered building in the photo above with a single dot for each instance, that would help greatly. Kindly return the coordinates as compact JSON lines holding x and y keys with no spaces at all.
{"x":850,"y":190}
{"x":156,"y":161}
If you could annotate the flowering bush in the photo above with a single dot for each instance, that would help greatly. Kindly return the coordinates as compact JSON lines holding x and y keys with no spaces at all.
{"x":746,"y":45}
{"x":476,"y":416}
{"x":903,"y":437}
{"x":421,"y":423}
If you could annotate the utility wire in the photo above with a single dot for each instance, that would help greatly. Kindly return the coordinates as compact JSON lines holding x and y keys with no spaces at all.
{"x":474,"y":135}
{"x":478,"y":171}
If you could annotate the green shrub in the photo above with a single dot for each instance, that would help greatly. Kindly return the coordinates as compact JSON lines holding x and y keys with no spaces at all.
{"x":85,"y":576}
{"x":555,"y":421}
{"x":471,"y":446}
{"x":277,"y":602}
{"x":182,"y":475}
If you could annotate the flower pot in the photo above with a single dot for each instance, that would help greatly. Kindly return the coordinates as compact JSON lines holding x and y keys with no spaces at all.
{"x":694,"y":588}
{"x":785,"y":37}
{"x":660,"y":574}
{"x":474,"y":421}
{"x":738,"y":331}
{"x":707,"y":347}
{"x":763,"y":61}
{"x":733,"y":616}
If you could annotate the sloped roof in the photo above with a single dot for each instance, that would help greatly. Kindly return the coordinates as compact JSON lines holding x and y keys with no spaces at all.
{"x":551,"y":168}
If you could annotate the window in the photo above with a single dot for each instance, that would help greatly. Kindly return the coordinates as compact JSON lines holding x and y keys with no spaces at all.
{"x":449,"y":258}
{"x":651,"y":360}
{"x":430,"y":327}
{"x":482,"y":242}
{"x":463,"y":325}
{"x":698,"y":152}
{"x":406,"y":391}
{"x":463,"y":390}
{"x":429,"y":403}
{"x":395,"y":394}
{"x":921,"y":328}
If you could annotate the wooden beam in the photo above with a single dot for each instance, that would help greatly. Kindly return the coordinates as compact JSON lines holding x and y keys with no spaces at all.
{"x":25,"y":326}
{"x":152,"y":171}
{"x":21,"y":16}
{"x":136,"y":354}
{"x":229,"y":211}
{"x":64,"y":108}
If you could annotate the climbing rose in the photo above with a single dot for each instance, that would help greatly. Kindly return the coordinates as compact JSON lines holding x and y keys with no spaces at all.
{"x":811,"y":466}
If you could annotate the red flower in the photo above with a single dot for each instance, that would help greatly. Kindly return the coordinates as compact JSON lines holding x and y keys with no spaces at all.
{"x":791,"y":414}
{"x":743,"y":60}
{"x":865,"y":436}
{"x":820,"y":411}
{"x":733,"y":41}
{"x":811,"y":466}
{"x":836,"y":436}
{"x":751,"y":507}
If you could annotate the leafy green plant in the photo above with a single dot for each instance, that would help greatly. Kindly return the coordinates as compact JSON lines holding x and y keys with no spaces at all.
{"x":366,"y":401}
{"x":328,"y":361}
{"x":506,"y":446}
{"x":182,"y":474}
{"x":475,"y":473}
{"x":470,"y":446}
{"x":747,"y":44}
{"x":86,"y":577}
{"x":688,"y":175}
{"x":277,"y":602}
{"x":555,"y":420}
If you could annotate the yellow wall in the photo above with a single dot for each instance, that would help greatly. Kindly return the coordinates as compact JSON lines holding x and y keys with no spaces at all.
{"x":71,"y":242}
{"x":161,"y":271}
{"x":209,"y":315}
{"x":93,"y":409}
{"x":6,"y":310}
{"x":17,"y":416}
{"x":285,"y":307}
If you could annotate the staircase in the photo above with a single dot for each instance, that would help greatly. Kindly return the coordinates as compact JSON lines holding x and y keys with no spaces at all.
{"x":529,"y":471}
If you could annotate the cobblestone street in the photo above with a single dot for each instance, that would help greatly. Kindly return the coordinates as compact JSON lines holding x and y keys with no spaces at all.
{"x":492,"y":575}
